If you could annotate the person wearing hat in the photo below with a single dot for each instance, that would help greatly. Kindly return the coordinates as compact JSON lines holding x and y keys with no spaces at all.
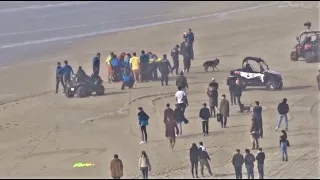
{"x":318,"y":80}
{"x":237,"y":162}
{"x":204,"y":115}
{"x":215,"y":84}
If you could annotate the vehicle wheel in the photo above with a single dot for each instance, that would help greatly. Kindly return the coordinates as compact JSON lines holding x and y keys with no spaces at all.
{"x":81,"y":92}
{"x":280,"y":86}
{"x":69,"y":93}
{"x":308,"y":57}
{"x":271,"y":85}
{"x":100,"y":90}
{"x":294,"y":56}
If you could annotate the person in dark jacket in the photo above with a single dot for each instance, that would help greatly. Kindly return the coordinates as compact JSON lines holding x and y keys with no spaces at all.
{"x":186,"y":53}
{"x":179,"y":117}
{"x":224,"y":110}
{"x":215,"y":84}
{"x":171,"y":131}
{"x":59,"y":77}
{"x":96,"y":65}
{"x":175,"y":57}
{"x":168,"y":114}
{"x":231,"y":82}
{"x":116,"y":167}
{"x":212,"y":93}
{"x":127,"y":79}
{"x":238,"y":93}
{"x":284,"y":144}
{"x":67,"y":70}
{"x":143,"y":122}
{"x":165,"y":69}
{"x":257,"y":113}
{"x":203,"y":159}
{"x":249,"y":162}
{"x":190,"y":40}
{"x":318,"y":79}
{"x":283,"y":109}
{"x":260,"y":163}
{"x":144,"y":62}
{"x":204,"y":114}
{"x":182,"y":82}
{"x":81,"y":75}
{"x":194,"y":158}
{"x":237,"y":162}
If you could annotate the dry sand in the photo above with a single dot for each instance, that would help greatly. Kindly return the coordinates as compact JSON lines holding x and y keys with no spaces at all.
{"x":43,"y":134}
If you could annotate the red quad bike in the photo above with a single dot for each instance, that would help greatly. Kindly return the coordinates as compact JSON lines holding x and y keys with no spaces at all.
{"x":309,"y":41}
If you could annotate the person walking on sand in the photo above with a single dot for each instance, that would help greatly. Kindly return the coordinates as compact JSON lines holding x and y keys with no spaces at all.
{"x":254,"y":129}
{"x":175,"y":57}
{"x":204,"y":161}
{"x":224,"y":110}
{"x":212,"y":93}
{"x":190,"y":40}
{"x":283,"y":109}
{"x":181,"y":98}
{"x":144,"y":164}
{"x":260,"y":163}
{"x":237,"y":162}
{"x":143,"y":122}
{"x":182,"y":82}
{"x":168,"y":114}
{"x":204,"y":115}
{"x":257,"y":113}
{"x":59,"y":77}
{"x":165,"y":68}
{"x":67,"y":70}
{"x":135,"y":67}
{"x":202,"y":147}
{"x":116,"y":167}
{"x":318,"y":79}
{"x":238,"y":94}
{"x":171,"y":129}
{"x":249,"y":162}
{"x":194,"y":158}
{"x":284,"y":144}
{"x":178,"y":116}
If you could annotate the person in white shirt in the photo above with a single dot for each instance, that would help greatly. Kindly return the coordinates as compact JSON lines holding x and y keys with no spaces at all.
{"x":181,"y":98}
{"x":202,"y":147}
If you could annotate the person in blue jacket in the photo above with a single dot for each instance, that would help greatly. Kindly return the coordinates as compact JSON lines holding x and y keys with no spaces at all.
{"x":67,"y":70}
{"x":116,"y":69}
{"x":127,"y":79}
{"x":59,"y":77}
{"x":96,"y":65}
{"x":143,"y":122}
{"x":126,"y":62}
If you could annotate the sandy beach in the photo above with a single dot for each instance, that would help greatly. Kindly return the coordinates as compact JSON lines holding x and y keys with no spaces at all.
{"x":44,"y":134}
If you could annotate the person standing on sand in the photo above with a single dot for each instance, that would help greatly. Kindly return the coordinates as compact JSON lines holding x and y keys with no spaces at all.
{"x":144,"y":164}
{"x":237,"y":162}
{"x":212,"y":93}
{"x":96,"y":65}
{"x":257,"y":113}
{"x":67,"y":70}
{"x":194,"y":158}
{"x":283,"y":109}
{"x":171,"y":129}
{"x":165,"y":68}
{"x":59,"y":77}
{"x":260,"y":163}
{"x":204,"y":115}
{"x":284,"y":144}
{"x":224,"y":110}
{"x":179,"y":118}
{"x":231,"y":82}
{"x":109,"y":68}
{"x":204,"y":161}
{"x":175,"y":57}
{"x":249,"y":162}
{"x":144,"y":61}
{"x":116,"y":167}
{"x":143,"y":122}
{"x":135,"y":67}
{"x":190,"y":40}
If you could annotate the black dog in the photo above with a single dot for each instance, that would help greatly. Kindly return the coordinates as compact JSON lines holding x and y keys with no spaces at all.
{"x":211,"y":63}
{"x":245,"y":108}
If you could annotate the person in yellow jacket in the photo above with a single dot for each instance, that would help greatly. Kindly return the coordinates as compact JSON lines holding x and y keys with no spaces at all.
{"x":135,"y":66}
{"x":108,"y":59}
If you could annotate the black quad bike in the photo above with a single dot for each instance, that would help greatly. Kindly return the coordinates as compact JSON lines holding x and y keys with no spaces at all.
{"x":263,"y":76}
{"x":84,"y":87}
